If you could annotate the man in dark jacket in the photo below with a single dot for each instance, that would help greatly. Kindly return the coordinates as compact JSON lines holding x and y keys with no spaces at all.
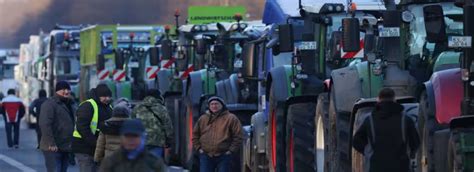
{"x":35,"y":109}
{"x":133,"y":155}
{"x":217,"y":135}
{"x":387,"y":138}
{"x":57,"y":123}
{"x":91,"y":115}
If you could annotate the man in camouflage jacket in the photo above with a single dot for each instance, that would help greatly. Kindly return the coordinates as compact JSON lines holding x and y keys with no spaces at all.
{"x":154,"y":115}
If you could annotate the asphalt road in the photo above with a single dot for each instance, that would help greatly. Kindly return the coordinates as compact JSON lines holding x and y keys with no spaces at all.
{"x":27,"y":158}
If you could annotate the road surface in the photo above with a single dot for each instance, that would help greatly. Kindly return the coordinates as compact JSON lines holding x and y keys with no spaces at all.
{"x":27,"y":158}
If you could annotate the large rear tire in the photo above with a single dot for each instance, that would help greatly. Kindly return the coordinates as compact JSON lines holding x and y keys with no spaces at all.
{"x":428,"y":126}
{"x":341,"y":136}
{"x":276,"y":134}
{"x":300,"y":137}
{"x":322,"y":134}
{"x":440,"y":148}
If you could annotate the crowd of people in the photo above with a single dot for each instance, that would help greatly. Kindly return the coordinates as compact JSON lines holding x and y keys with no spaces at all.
{"x":106,"y":136}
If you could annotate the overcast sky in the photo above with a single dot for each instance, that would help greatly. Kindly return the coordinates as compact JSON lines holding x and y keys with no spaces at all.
{"x":21,"y":18}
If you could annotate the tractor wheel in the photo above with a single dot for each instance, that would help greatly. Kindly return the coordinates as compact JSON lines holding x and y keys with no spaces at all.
{"x":300,"y":137}
{"x":428,"y":126}
{"x":276,"y":133}
{"x":440,"y":148}
{"x":173,"y":103}
{"x":358,"y":158}
{"x":322,"y":133}
{"x":454,"y":159}
{"x":341,"y":136}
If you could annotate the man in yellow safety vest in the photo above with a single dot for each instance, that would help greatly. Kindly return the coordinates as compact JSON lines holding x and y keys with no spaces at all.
{"x":90,"y":115}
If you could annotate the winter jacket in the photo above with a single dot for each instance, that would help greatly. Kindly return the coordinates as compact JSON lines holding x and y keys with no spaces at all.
{"x":86,"y":144}
{"x":145,"y":162}
{"x":12,"y":108}
{"x":217,"y":134}
{"x":383,"y":146}
{"x":56,"y":124}
{"x":35,"y":106}
{"x":157,"y":122}
{"x":109,"y":138}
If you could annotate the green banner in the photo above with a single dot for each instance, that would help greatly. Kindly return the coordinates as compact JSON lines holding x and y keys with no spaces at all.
{"x":212,"y":14}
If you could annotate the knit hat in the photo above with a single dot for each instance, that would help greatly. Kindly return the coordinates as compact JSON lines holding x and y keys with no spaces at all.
{"x":121,"y":110}
{"x":103,"y":90}
{"x":132,"y":126}
{"x":61,"y":85}
{"x":42,"y":93}
{"x":220,"y":100}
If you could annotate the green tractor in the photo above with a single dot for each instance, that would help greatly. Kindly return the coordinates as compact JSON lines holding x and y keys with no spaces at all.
{"x":118,"y":56}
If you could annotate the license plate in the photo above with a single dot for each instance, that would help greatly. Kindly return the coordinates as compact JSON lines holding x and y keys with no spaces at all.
{"x":389,"y":32}
{"x":133,"y":64}
{"x":307,"y":45}
{"x":459,"y":42}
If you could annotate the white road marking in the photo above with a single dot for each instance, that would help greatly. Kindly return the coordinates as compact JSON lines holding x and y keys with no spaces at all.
{"x":16,"y":164}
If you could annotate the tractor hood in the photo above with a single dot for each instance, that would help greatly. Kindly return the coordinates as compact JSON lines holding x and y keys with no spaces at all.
{"x":448,"y":93}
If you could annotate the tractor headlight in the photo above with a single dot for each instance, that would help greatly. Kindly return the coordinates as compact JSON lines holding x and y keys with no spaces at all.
{"x":407,"y":16}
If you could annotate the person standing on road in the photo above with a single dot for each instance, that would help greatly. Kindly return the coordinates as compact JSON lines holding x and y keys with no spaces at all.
{"x":387,"y":138}
{"x":132,"y":155}
{"x":35,"y":109}
{"x":154,"y":115}
{"x":91,"y":115}
{"x":13,"y":110}
{"x":57,"y":123}
{"x":109,"y":137}
{"x":216,"y":136}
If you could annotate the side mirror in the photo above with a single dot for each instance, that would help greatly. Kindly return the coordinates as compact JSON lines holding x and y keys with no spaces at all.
{"x":100,"y":62}
{"x":350,"y":35}
{"x":201,"y":46}
{"x":166,"y":49}
{"x":434,"y":23}
{"x":285,"y":38}
{"x":154,"y":56}
{"x":119,"y":60}
{"x":248,"y":60}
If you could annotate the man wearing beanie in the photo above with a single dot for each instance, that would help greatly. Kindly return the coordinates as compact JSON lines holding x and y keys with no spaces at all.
{"x":159,"y":127}
{"x":132,"y":155}
{"x":57,"y":123}
{"x":109,"y":137}
{"x":91,"y":115}
{"x":216,"y":136}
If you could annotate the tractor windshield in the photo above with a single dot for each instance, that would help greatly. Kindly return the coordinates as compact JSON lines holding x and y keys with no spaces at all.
{"x":7,"y":71}
{"x":67,"y":65}
{"x":417,"y":26}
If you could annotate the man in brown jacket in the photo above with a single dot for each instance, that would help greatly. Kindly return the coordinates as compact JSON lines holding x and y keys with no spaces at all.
{"x":217,"y":135}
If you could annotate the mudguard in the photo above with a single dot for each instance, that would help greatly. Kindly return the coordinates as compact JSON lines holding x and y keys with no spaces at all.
{"x":448,"y":92}
{"x":258,"y":129}
{"x":164,"y":77}
{"x":220,"y":90}
{"x":194,"y":87}
{"x":347,"y":87}
{"x":234,"y":87}
{"x":277,"y":78}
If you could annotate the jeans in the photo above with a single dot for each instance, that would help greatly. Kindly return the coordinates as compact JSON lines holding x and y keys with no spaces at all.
{"x":56,"y":161}
{"x":211,"y":164}
{"x":86,"y":163}
{"x":12,"y":141}
{"x":157,"y":151}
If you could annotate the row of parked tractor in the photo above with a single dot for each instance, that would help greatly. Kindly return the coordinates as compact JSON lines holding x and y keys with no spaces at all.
{"x":301,"y":80}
